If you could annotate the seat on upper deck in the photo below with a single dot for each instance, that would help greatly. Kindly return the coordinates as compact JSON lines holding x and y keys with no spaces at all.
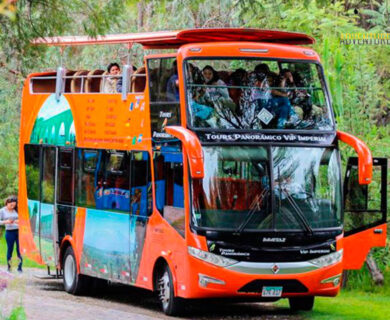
{"x":138,"y":80}
{"x":77,"y":83}
{"x":93,"y":83}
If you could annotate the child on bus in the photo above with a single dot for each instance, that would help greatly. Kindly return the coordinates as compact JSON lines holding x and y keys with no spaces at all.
{"x":110,"y":81}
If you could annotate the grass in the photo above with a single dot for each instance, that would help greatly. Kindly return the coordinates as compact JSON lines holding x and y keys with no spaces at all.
{"x":17,"y":313}
{"x":348,"y":305}
{"x":27,"y":263}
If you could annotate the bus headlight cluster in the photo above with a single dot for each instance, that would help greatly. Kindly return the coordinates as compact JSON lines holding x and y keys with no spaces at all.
{"x":328,"y":259}
{"x":211,"y":257}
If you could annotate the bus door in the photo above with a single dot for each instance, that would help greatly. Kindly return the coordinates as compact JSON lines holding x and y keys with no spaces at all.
{"x":168,"y":164}
{"x":365,"y":209}
{"x":47,"y":229}
{"x":164,"y":96}
{"x":65,"y":209}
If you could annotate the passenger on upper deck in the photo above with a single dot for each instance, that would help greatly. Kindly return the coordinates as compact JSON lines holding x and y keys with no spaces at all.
{"x":211,"y":77}
{"x":280,"y":100}
{"x":173,"y":84}
{"x":262,"y":68}
{"x":110,"y":81}
{"x":119,"y":82}
{"x":238,"y":78}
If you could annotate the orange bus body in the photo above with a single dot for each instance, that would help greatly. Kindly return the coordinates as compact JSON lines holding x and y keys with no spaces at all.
{"x":105,"y":121}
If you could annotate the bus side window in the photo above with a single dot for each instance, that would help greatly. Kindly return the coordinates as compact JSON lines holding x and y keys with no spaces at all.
{"x":169,"y":187}
{"x":48,"y":175}
{"x":164,"y":96}
{"x":114,"y":192}
{"x":141,"y":189}
{"x":88,"y":179}
{"x":65,"y":189}
{"x":66,"y":212}
{"x":31,"y":158}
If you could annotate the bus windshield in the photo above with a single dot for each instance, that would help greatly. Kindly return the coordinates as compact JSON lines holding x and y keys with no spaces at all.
{"x":241,"y":191}
{"x":256,"y":94}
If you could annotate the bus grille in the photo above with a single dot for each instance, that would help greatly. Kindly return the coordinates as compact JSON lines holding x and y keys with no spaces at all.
{"x":289,"y":286}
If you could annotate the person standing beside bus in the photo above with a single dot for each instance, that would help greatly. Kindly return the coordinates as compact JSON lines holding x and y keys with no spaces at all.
{"x":9,"y":218}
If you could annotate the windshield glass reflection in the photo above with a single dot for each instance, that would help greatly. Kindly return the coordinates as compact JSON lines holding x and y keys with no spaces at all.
{"x":236,"y":192}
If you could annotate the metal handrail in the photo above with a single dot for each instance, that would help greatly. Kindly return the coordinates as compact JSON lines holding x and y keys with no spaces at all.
{"x":87,"y":76}
{"x":83,"y":78}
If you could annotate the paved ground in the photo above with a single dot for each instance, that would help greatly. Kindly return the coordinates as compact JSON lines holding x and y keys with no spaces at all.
{"x":45,"y":299}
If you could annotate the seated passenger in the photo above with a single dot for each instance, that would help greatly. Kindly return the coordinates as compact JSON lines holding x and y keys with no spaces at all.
{"x":262,"y":68}
{"x":272,"y":99}
{"x":280,"y":101}
{"x":302,"y":101}
{"x":119,"y":82}
{"x":238,"y":78}
{"x":173,"y":84}
{"x":211,"y":78}
{"x":110,"y":81}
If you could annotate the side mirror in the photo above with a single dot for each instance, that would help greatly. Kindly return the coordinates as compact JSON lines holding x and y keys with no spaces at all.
{"x":193,"y":149}
{"x":364,"y":156}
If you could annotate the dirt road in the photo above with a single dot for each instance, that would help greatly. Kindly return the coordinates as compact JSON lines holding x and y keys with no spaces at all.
{"x":45,"y":299}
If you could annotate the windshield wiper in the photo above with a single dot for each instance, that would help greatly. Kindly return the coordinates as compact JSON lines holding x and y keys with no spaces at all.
{"x":255,"y":206}
{"x":302,"y":219}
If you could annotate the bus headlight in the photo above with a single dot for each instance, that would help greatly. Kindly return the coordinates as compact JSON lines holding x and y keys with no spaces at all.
{"x":211,"y":257}
{"x":328,"y":259}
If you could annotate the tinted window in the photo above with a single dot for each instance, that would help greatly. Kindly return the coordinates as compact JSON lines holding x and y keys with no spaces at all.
{"x":114,"y":192}
{"x":141,"y":190}
{"x":164,"y":96}
{"x":49,"y":156}
{"x":31,"y":156}
{"x":87,"y":177}
{"x":169,"y":186}
{"x":65,"y":186}
{"x":102,"y":179}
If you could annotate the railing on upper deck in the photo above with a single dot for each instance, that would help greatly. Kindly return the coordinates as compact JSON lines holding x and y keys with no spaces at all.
{"x":84,"y":81}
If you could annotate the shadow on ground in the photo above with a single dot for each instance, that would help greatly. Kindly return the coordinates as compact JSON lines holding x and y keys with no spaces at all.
{"x":199,"y":309}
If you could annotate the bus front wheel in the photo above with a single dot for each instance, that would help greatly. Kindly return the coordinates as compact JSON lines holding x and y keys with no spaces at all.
{"x":301,"y":303}
{"x":74,"y":283}
{"x":170,"y":304}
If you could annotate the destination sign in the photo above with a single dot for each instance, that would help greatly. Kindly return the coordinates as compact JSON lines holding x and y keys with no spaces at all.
{"x":253,"y":137}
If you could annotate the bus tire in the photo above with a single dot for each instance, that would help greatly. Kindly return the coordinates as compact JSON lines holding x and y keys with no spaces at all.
{"x":74,"y":283}
{"x":301,"y":303}
{"x":171,"y":305}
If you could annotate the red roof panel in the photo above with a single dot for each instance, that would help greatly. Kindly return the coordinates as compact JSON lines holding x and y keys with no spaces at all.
{"x":174,"y":39}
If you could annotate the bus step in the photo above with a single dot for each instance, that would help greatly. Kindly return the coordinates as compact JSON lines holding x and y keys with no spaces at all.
{"x":47,"y":277}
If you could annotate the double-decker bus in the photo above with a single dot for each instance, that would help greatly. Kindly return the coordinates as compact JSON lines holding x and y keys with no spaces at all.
{"x":215,"y":172}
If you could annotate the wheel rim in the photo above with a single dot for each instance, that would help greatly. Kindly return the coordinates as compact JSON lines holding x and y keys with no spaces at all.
{"x":69,"y":271}
{"x":165,"y":290}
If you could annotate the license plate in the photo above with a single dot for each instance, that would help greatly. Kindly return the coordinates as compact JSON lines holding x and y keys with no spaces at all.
{"x":272,"y":292}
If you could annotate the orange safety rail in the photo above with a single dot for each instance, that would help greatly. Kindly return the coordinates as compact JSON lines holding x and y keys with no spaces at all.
{"x":364,"y":155}
{"x":193,"y":147}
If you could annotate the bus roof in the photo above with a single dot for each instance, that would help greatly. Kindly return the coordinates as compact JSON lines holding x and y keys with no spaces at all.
{"x":174,"y":39}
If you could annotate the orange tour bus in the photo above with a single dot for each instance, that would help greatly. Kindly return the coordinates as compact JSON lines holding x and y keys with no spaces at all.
{"x":212,"y":171}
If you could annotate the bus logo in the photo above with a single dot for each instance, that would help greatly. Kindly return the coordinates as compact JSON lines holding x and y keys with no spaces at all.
{"x":275,"y":269}
{"x":269,"y":239}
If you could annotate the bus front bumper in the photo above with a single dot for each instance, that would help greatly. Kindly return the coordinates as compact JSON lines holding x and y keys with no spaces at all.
{"x":246,"y":279}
